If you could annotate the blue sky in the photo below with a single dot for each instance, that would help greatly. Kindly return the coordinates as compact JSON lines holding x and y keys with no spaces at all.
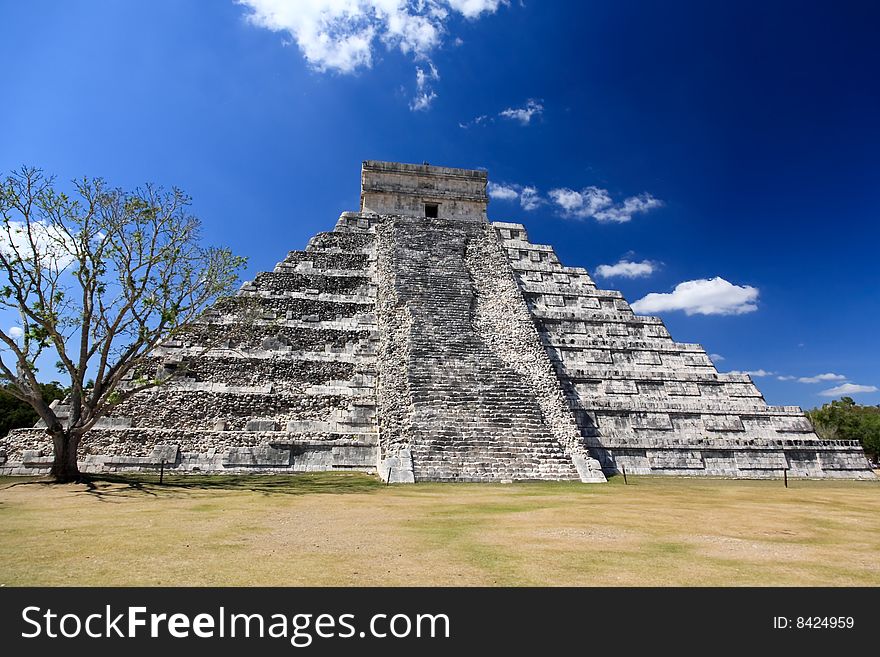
{"x":692,"y":140}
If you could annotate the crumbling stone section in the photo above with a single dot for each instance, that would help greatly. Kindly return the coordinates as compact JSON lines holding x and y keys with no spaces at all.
{"x":392,"y":387}
{"x":503,"y":319}
{"x":235,"y":407}
{"x":649,"y":405}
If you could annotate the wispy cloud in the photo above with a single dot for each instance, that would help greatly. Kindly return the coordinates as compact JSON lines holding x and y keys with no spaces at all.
{"x":425,"y":95}
{"x":708,"y":296}
{"x":14,"y":332}
{"x":819,"y":378}
{"x":529,"y":199}
{"x":590,"y":202}
{"x":753,"y":373}
{"x":523,"y":114}
{"x":847,"y":389}
{"x":626,"y":269}
{"x":342,"y":35}
{"x":477,"y":120}
{"x":597,"y":203}
{"x":717,"y":358}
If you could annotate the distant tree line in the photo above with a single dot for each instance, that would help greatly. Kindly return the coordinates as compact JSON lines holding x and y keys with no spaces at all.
{"x":18,"y":414}
{"x":843,"y":419}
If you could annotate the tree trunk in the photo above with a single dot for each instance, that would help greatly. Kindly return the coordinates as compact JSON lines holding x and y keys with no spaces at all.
{"x":64,"y":467}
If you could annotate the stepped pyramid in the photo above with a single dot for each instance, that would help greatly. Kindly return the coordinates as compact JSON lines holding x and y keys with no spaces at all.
{"x":420,"y":341}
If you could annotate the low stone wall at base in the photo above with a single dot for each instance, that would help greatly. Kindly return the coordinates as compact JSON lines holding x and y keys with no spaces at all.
{"x":29,"y":452}
{"x":740,"y":459}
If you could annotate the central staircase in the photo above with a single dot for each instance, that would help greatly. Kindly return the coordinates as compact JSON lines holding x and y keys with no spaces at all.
{"x":473,"y":418}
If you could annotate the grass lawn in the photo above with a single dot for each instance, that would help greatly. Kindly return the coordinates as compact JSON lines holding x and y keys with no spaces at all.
{"x":349,"y":529}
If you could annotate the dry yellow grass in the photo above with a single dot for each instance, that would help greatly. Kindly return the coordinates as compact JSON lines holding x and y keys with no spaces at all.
{"x":347,"y":529}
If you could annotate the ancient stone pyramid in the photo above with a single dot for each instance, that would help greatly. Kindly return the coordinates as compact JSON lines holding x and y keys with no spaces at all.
{"x":423,"y":342}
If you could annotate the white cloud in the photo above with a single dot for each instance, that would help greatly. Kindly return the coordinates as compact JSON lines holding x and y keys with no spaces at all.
{"x":341,"y":35}
{"x":632,"y":205}
{"x":626,"y":269}
{"x":752,"y":373}
{"x":15,"y":332}
{"x":53,"y":247}
{"x":786,"y":377}
{"x":589,"y":202}
{"x":483,"y":118}
{"x":473,"y":8}
{"x":529,"y":199}
{"x":716,"y":358}
{"x":708,"y":296}
{"x":425,"y":95}
{"x":597,"y":203}
{"x":523,"y":114}
{"x":502,"y":192}
{"x":847,"y":389}
{"x":822,"y":377}
{"x":581,"y":204}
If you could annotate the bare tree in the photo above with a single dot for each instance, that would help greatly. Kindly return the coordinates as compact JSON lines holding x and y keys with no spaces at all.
{"x":100,"y":279}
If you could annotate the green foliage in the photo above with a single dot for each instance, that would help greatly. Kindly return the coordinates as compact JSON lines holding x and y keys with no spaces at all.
{"x":843,"y":419}
{"x":17,"y":414}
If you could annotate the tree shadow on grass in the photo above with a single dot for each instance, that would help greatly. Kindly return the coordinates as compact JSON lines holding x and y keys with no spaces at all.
{"x":106,"y":486}
{"x":333,"y":483}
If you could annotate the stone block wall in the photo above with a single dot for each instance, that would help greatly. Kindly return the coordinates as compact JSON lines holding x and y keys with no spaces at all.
{"x":404,"y":189}
{"x":289,"y":385}
{"x":650,"y":405}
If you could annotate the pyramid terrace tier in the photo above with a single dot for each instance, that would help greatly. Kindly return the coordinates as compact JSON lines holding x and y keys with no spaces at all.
{"x":741,"y":458}
{"x":694,"y":421}
{"x":653,"y":385}
{"x":634,"y":358}
{"x":235,"y":408}
{"x":342,"y":283}
{"x":199,"y":452}
{"x":284,"y":336}
{"x":295,"y":306}
{"x":570,"y":342}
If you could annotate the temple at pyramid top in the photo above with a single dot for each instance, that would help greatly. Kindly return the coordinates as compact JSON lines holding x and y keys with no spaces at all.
{"x":423,"y":190}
